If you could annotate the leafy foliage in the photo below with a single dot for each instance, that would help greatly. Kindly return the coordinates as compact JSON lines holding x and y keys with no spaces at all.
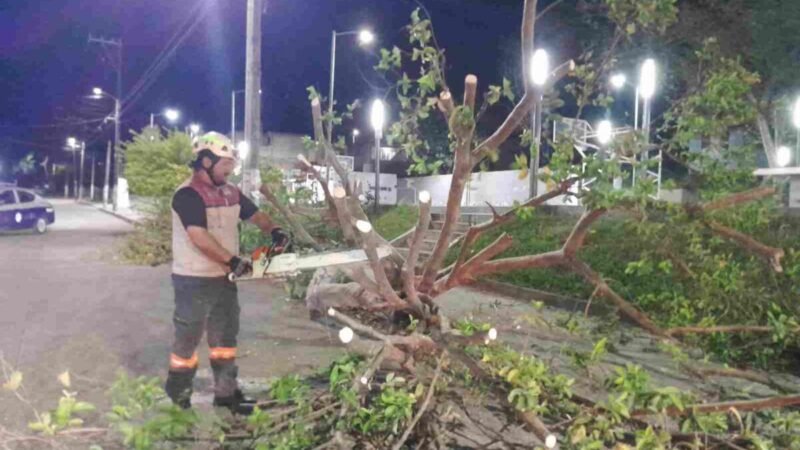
{"x":157,"y":164}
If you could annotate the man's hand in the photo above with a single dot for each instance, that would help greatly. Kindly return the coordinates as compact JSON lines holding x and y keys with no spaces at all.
{"x":239,"y":266}
{"x":279,"y":240}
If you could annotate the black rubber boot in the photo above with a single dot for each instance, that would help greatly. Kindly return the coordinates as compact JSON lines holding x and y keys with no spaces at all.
{"x":179,"y":388}
{"x":237,"y":403}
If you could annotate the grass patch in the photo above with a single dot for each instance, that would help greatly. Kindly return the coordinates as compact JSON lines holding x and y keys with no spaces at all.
{"x":396,"y":221}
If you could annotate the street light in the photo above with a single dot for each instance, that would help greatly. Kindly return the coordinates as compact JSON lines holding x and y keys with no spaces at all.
{"x":365,"y":37}
{"x":355,"y":134}
{"x":171,"y":114}
{"x":540,"y":67}
{"x":539,"y":73}
{"x":377,"y":118}
{"x":194,"y":129}
{"x":605,"y":132}
{"x":618,"y":80}
{"x":783,"y":156}
{"x":98,"y":94}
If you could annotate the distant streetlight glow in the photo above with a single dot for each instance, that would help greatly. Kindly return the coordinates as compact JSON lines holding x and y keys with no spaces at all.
{"x":172,"y":114}
{"x":618,"y":80}
{"x":540,"y":67}
{"x":72,"y":142}
{"x":97,"y":92}
{"x":647,"y":80}
{"x":366,"y":37}
{"x":377,"y":117}
{"x":356,"y":132}
{"x":605,"y":132}
{"x":783,"y":156}
{"x":243,"y":148}
{"x":194,"y":128}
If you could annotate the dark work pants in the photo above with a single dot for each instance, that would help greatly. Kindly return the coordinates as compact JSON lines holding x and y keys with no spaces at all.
{"x":210,"y":305}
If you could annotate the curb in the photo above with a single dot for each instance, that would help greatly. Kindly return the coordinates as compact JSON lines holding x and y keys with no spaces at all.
{"x":112,"y":213}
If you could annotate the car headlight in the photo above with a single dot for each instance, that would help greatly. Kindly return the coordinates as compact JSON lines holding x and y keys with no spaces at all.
{"x":49,"y":210}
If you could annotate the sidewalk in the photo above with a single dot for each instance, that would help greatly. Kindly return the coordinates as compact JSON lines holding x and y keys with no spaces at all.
{"x":132,"y":215}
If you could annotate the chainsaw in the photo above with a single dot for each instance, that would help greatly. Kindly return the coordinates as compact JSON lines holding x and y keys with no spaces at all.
{"x":268,"y":265}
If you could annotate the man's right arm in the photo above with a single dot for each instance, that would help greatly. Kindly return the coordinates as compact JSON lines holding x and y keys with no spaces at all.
{"x":206,"y":243}
{"x":192,"y":212}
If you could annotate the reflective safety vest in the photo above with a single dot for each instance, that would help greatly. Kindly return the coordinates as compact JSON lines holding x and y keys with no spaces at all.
{"x":222,"y":217}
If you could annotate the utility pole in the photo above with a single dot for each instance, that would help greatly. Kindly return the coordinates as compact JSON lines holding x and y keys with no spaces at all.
{"x":118,"y":158}
{"x":80,"y":171}
{"x":91,"y":185}
{"x":252,"y":100}
{"x":108,"y":175}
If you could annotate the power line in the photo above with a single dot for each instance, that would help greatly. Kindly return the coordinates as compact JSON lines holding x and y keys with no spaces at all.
{"x":163,"y":59}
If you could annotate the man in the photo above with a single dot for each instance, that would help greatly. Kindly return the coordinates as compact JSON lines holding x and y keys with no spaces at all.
{"x":206,"y":210}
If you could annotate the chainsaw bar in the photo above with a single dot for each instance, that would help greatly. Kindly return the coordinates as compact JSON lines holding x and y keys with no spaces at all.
{"x":290,"y":264}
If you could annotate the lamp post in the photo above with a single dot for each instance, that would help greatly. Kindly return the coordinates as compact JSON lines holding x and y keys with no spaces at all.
{"x":74,"y":145}
{"x":539,"y":73}
{"x":647,"y":87}
{"x":365,"y":37}
{"x":98,"y":94}
{"x":194,"y":129}
{"x":378,"y":117}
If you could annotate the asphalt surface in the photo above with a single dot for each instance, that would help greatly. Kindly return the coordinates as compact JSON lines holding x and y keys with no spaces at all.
{"x":66,"y":303}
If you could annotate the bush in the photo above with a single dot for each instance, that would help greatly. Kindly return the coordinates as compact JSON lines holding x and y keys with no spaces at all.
{"x":157,"y":165}
{"x":724,"y":286}
{"x":151,"y":242}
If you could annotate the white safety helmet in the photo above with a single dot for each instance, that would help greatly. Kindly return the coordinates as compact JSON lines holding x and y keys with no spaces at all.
{"x":216,"y":143}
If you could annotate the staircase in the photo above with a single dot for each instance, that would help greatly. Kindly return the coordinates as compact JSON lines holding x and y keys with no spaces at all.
{"x":431,"y":237}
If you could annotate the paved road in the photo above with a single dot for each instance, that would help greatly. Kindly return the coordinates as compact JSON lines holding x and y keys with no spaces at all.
{"x":66,"y":304}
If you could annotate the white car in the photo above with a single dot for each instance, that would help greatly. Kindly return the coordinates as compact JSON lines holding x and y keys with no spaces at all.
{"x":22,"y":209}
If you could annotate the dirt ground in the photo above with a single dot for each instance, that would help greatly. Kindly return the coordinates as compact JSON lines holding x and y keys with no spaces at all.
{"x":65,"y":304}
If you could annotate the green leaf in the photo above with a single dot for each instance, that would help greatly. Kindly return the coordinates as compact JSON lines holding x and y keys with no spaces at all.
{"x":508,"y":92}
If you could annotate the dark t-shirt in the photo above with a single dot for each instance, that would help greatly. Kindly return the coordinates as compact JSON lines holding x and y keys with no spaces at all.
{"x":189,"y":206}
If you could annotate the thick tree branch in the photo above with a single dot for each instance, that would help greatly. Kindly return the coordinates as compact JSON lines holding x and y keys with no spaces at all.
{"x":470,"y":91}
{"x":384,"y":287}
{"x":773,"y":255}
{"x":409,"y":271}
{"x":343,"y":214}
{"x":623,"y":305}
{"x":681,"y":331}
{"x":298,"y":228}
{"x":463,"y":274}
{"x":329,"y":155}
{"x":527,"y":35}
{"x":738,"y":198}
{"x":539,"y":261}
{"x":461,"y":172}
{"x":741,"y":406}
{"x":517,"y":115}
{"x":325,"y":190}
{"x":578,"y":236}
{"x":497,"y":220}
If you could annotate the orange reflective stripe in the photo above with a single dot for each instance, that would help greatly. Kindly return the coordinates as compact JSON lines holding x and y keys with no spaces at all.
{"x":176,"y":362}
{"x":222,"y":353}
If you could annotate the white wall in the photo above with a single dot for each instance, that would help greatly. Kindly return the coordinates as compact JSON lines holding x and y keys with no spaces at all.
{"x":501,"y":188}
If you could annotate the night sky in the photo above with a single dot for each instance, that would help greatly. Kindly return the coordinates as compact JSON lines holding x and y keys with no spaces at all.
{"x":47,"y":67}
